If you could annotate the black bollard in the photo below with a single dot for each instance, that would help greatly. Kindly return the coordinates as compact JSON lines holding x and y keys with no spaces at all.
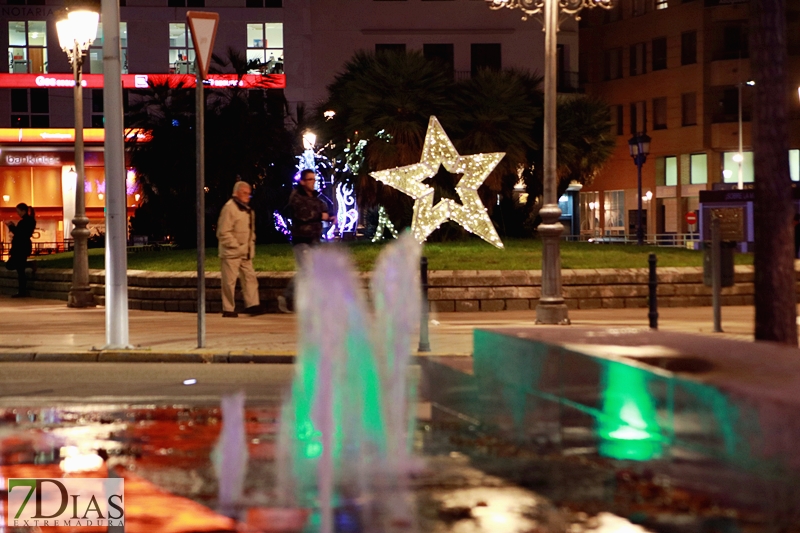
{"x":653,"y":283}
{"x":424,"y":342}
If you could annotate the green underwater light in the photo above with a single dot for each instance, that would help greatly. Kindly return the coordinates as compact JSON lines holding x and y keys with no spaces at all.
{"x":628,"y":427}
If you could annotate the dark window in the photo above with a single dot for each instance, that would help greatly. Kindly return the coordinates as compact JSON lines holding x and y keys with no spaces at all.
{"x":40,"y":121}
{"x":97,"y":100}
{"x":613,"y":64}
{"x":20,"y":121}
{"x":734,"y":42}
{"x":617,"y":116}
{"x":688,"y":48}
{"x":486,"y":55}
{"x":689,"y":109}
{"x":638,"y":117}
{"x":583,"y":66}
{"x":730,"y":104}
{"x":396,"y":48}
{"x":638,"y":59}
{"x":19,"y":100}
{"x":186,"y":3}
{"x":659,"y":53}
{"x":660,"y":113}
{"x":40,"y":101}
{"x":441,"y":53}
{"x":98,"y":121}
{"x":614,"y":14}
{"x":640,"y":7}
{"x":273,"y":3}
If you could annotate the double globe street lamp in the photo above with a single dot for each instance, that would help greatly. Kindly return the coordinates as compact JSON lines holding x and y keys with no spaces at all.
{"x":76,"y":31}
{"x":639,"y":146}
{"x":551,"y":308}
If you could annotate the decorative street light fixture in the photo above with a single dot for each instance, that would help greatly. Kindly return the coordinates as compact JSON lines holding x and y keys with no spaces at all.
{"x":639,"y":146}
{"x":551,"y":308}
{"x":76,"y":31}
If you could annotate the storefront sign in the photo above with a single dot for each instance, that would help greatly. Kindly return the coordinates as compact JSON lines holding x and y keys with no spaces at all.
{"x":22,"y":11}
{"x":143,"y":81}
{"x":31,"y":159}
{"x":63,"y":135}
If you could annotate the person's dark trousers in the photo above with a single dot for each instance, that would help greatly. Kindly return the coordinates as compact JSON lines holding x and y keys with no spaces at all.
{"x":22,"y":280}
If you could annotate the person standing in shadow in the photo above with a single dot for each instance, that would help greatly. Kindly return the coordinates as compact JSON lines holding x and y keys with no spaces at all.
{"x":21,"y":247}
{"x":307,"y":210}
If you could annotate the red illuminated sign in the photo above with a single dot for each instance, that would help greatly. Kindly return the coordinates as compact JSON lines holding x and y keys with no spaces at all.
{"x":143,"y":81}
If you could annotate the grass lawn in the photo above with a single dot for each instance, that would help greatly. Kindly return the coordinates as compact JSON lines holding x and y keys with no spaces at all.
{"x":467,"y":255}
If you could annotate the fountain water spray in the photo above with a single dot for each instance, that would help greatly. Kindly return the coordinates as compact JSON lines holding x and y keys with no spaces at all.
{"x":230,"y":454}
{"x":345,"y":432}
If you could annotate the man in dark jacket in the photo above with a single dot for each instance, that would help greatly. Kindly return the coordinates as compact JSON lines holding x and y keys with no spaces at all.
{"x":307,"y":210}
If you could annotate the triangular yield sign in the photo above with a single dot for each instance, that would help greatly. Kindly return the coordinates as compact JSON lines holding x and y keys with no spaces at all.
{"x":203,"y":26}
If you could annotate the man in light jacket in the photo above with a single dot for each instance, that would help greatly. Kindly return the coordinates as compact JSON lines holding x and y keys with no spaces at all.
{"x":236,"y":233}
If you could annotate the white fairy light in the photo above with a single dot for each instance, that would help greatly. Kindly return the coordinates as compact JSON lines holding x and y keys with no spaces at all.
{"x":439,"y":150}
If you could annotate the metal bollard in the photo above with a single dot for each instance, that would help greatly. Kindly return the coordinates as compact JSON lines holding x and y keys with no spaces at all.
{"x":716,"y":273}
{"x":424,"y":342}
{"x":653,"y":284}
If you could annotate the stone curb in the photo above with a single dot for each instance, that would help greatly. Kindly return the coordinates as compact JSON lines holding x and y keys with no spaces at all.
{"x":144,"y":356}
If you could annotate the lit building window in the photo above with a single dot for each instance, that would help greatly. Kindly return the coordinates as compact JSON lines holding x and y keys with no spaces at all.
{"x":730,"y":167}
{"x":96,"y":50}
{"x":27,"y":47}
{"x":671,"y":171}
{"x":698,"y":169}
{"x":265,"y":45}
{"x":181,"y":52}
{"x":590,"y":212}
{"x":614,"y":209}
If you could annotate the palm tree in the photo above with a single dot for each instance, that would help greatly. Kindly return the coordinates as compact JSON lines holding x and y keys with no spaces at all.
{"x":497,"y":112}
{"x":584,"y":137}
{"x":384,"y":99}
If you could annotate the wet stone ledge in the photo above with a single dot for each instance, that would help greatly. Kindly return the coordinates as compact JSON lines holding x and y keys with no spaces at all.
{"x":450,"y":290}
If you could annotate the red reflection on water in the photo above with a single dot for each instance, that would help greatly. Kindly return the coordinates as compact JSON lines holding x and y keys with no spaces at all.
{"x":150,"y":440}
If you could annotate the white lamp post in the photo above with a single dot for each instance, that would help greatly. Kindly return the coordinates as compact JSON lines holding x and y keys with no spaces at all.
{"x":76,"y":31}
{"x":551,"y":308}
{"x":739,"y":156}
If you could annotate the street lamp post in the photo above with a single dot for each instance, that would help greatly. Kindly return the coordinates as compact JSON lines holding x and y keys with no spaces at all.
{"x":76,"y":31}
{"x":639,"y":146}
{"x":551,"y":308}
{"x":739,"y":157}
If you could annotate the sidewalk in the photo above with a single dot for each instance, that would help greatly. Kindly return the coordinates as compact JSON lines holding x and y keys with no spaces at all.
{"x":47,"y":330}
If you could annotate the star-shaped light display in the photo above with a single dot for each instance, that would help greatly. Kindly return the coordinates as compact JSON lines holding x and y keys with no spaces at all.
{"x":439,"y":150}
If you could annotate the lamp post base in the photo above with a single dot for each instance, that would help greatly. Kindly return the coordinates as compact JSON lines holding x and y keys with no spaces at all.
{"x":553,"y":313}
{"x":80,"y":298}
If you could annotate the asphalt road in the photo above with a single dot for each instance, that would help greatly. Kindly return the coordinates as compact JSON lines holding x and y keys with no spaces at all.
{"x":39,"y":384}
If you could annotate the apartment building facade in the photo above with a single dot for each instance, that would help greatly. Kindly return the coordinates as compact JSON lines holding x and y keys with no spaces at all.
{"x":301,"y":44}
{"x":675,"y":70}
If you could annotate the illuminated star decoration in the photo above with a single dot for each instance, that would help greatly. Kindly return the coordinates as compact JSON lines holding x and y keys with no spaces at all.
{"x":439,"y":150}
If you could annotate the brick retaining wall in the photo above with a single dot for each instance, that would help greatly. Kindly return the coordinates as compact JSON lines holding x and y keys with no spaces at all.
{"x":450,"y":290}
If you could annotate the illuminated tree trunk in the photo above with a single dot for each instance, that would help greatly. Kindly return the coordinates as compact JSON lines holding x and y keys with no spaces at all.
{"x":775,"y":298}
